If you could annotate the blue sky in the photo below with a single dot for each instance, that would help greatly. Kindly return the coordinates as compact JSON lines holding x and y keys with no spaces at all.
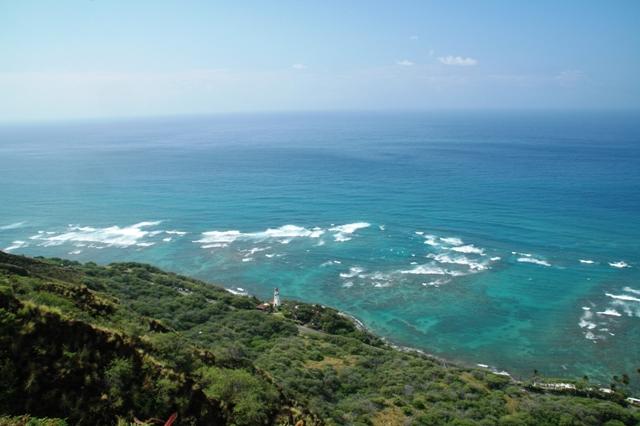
{"x":75,"y":59}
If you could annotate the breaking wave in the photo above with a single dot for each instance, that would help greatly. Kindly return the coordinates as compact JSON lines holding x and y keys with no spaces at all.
{"x":425,"y":270}
{"x":533,"y":260}
{"x":452,"y":241}
{"x":631,"y":290}
{"x":472,"y":264}
{"x":16,"y":245}
{"x":623,"y":297}
{"x":617,"y":307}
{"x":112,"y":236}
{"x":12,"y":226}
{"x":610,"y":312}
{"x":353,"y":272}
{"x":468,"y":249}
{"x":284,"y":234}
{"x":343,"y":232}
{"x":619,"y":264}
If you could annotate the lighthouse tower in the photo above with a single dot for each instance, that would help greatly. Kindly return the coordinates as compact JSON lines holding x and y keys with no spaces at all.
{"x":276,"y":298}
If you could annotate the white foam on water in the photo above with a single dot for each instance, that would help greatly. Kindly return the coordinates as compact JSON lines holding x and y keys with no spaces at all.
{"x":12,"y":226}
{"x":330,"y":262}
{"x":619,"y":264}
{"x":521,"y":254}
{"x":436,"y":283}
{"x":237,"y":291}
{"x":473,"y":265}
{"x":631,"y":290}
{"x":287,"y":232}
{"x":587,"y":261}
{"x":610,"y":312}
{"x":585,"y":321}
{"x":215,"y":245}
{"x":468,"y":249}
{"x":255,"y":250}
{"x":631,"y":309}
{"x":348,"y":284}
{"x":495,"y":258}
{"x":419,"y":233}
{"x":381,"y":227}
{"x":343,"y":232}
{"x":376,"y":279}
{"x":425,"y":270}
{"x":173,"y":232}
{"x":353,"y":272}
{"x":431,"y":240}
{"x":75,"y":252}
{"x":379,"y":279}
{"x":533,"y":260}
{"x":269,"y":255}
{"x":247,"y":259}
{"x":284,"y":234}
{"x":454,"y":241}
{"x":16,"y":245}
{"x":112,"y":236}
{"x":590,"y":336}
{"x":597,"y":325}
{"x":623,"y":297}
{"x":167,"y":239}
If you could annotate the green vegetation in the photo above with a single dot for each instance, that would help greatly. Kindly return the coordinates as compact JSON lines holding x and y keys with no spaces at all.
{"x":30,"y":421}
{"x":88,"y":344}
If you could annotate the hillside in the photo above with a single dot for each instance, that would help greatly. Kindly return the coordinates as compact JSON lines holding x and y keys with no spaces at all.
{"x":129,"y":343}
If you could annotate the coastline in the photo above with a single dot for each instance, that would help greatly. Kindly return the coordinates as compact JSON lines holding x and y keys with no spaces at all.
{"x":295,"y":348}
{"x":555,"y":385}
{"x":409,"y":349}
{"x":360,"y":325}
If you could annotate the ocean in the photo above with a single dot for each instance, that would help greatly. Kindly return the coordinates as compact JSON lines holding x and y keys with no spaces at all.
{"x":504,"y":238}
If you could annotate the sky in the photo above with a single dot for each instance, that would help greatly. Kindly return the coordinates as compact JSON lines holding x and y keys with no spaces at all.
{"x":68,"y":59}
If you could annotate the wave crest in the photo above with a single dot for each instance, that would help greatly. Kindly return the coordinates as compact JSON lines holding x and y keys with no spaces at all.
{"x":111,"y":236}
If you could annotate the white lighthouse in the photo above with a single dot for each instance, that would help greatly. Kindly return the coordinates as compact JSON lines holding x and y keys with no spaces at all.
{"x":276,"y":298}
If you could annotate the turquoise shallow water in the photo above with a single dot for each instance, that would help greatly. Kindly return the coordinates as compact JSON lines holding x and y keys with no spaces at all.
{"x":509,"y":239}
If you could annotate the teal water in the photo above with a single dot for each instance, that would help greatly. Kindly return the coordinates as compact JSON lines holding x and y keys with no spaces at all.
{"x":458,"y":233}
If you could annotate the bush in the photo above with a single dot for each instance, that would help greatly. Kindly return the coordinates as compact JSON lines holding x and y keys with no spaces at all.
{"x":247,"y":400}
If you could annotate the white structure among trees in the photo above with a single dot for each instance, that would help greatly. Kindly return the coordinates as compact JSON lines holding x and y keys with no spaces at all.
{"x":276,"y":298}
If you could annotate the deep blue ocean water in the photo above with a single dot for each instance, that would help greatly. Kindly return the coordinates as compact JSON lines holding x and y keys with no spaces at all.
{"x":506,"y":238}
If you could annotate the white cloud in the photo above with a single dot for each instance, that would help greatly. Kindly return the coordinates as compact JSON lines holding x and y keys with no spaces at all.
{"x":299,"y":66}
{"x":457,"y":60}
{"x":405,"y":63}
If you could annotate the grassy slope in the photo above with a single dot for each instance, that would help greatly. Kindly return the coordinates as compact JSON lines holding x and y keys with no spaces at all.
{"x":93,"y":344}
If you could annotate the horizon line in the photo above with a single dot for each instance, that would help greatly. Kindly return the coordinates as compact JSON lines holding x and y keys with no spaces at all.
{"x":136,"y":117}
